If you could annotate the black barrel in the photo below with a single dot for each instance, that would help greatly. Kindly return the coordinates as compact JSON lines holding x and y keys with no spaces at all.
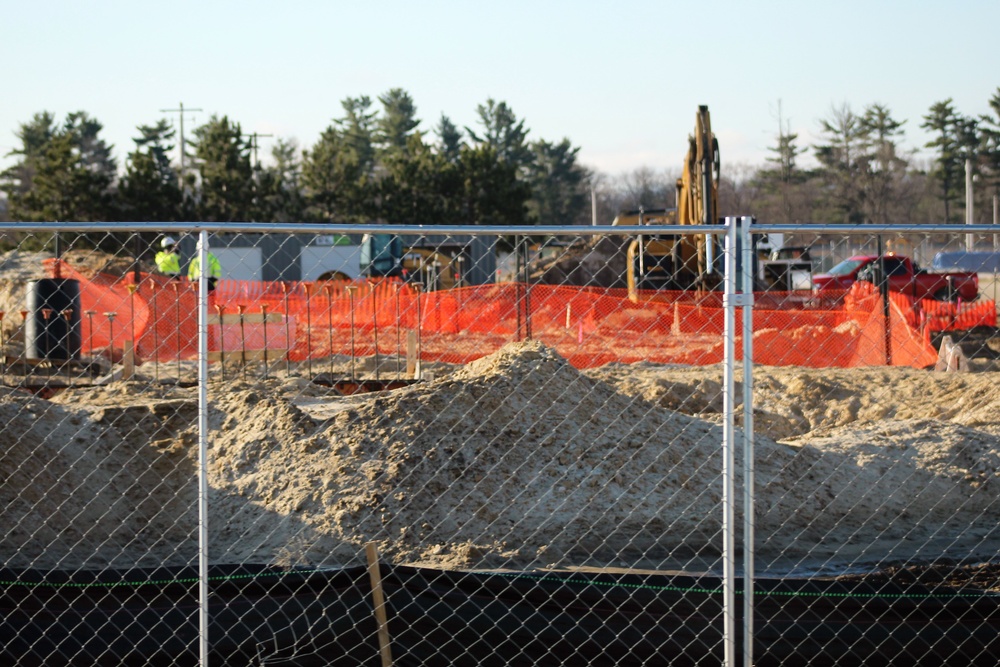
{"x":52,"y":328}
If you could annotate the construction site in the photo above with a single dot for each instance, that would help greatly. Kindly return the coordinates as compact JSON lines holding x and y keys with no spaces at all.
{"x":423,"y":464}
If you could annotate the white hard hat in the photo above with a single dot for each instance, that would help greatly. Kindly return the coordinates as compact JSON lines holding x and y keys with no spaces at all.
{"x":168,"y":241}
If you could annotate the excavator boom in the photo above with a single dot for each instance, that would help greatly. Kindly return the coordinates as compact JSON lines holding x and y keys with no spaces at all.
{"x":675,"y":261}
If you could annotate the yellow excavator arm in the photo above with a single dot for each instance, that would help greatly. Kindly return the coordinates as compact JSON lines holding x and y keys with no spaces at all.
{"x":680,"y":262}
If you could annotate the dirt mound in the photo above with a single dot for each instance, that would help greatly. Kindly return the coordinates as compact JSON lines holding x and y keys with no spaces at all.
{"x":497,"y":460}
{"x":517,"y":460}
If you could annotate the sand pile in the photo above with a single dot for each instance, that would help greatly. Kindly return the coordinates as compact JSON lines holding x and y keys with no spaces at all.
{"x":514,"y":456}
{"x":515,"y":460}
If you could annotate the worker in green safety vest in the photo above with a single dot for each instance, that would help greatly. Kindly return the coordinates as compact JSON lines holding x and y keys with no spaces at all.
{"x":168,"y":260}
{"x":214,"y":270}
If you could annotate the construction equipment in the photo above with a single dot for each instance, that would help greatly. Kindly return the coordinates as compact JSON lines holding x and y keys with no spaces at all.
{"x":673,"y":261}
{"x":383,"y":255}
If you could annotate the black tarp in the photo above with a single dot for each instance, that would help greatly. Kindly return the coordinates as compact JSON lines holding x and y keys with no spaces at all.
{"x":268,"y":616}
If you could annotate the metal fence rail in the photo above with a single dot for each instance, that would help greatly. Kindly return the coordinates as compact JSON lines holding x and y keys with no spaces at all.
{"x":503,"y":451}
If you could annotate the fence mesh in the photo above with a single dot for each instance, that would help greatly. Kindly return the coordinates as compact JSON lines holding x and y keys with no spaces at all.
{"x":503,"y":449}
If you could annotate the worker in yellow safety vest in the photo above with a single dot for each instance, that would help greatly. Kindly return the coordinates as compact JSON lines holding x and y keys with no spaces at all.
{"x":214,"y":270}
{"x":168,"y":261}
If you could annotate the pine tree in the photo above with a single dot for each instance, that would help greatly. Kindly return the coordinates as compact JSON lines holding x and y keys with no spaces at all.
{"x":883,"y":169}
{"x":778,"y":183}
{"x":222,"y":155}
{"x":491,"y":192}
{"x":948,"y":168}
{"x":449,"y":139}
{"x":34,"y":136}
{"x":279,"y":187}
{"x":415,"y":186}
{"x":989,"y":126}
{"x":336,"y":182}
{"x":558,"y":196}
{"x":502,"y":132}
{"x":398,"y":120}
{"x":357,"y":130}
{"x":150,"y":189}
{"x":840,"y":159}
{"x":65,"y":173}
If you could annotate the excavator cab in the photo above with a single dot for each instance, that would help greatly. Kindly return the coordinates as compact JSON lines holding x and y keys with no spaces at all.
{"x":381,"y":255}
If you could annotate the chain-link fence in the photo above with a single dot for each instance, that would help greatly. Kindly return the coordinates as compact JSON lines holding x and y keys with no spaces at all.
{"x":381,"y":445}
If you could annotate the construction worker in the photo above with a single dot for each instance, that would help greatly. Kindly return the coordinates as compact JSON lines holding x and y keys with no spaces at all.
{"x":214,"y":270}
{"x":168,"y":261}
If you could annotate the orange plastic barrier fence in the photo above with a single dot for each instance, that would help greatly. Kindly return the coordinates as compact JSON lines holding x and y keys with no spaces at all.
{"x":588,"y":326}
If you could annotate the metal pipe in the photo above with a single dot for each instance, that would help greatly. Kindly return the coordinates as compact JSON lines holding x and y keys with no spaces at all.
{"x":709,"y":253}
{"x":24,"y":333}
{"x":177,"y":325}
{"x":642,"y":251}
{"x":309,"y":349}
{"x":351,"y":289}
{"x":996,"y":220}
{"x":288,"y":337}
{"x":243,"y":341}
{"x":68,"y":318}
{"x":373,"y":291}
{"x":399,"y":288}
{"x":329,"y":321}
{"x":728,"y":446}
{"x":221,"y":311}
{"x":203,"y":617}
{"x":420,"y":326}
{"x":90,"y":325}
{"x":263,"y":312}
{"x":969,"y":203}
{"x":111,"y":334}
{"x":131,"y":308}
{"x":749,"y":464}
{"x":156,"y":340}
{"x":399,"y":230}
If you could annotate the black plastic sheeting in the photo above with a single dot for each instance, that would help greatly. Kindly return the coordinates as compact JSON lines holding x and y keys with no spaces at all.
{"x":264,"y":616}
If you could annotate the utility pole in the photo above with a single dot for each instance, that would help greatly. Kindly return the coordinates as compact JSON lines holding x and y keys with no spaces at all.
{"x":969,"y":217}
{"x":593,"y":206}
{"x":254,"y":145}
{"x":180,"y":109}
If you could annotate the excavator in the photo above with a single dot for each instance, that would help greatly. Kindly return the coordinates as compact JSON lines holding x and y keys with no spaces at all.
{"x":383,"y":255}
{"x":658,"y":261}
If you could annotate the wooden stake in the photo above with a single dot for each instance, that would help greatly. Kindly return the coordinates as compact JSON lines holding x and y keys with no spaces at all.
{"x":412,"y":360}
{"x":128,"y":361}
{"x":385,"y":650}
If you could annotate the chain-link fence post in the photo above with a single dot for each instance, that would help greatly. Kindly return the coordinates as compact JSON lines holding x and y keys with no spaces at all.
{"x":748,"y":261}
{"x":730,"y":636}
{"x":203,"y":436}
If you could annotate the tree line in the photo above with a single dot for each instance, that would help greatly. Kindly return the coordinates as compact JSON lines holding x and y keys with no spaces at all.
{"x":372,"y":163}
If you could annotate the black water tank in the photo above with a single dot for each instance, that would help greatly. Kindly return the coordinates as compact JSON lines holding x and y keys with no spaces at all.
{"x":52,"y":328}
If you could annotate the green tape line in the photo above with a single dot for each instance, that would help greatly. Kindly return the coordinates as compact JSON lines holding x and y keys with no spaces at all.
{"x":719,"y":591}
{"x":512,"y":575}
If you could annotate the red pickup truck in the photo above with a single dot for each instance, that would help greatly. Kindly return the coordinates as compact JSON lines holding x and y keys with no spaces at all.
{"x":903,"y":276}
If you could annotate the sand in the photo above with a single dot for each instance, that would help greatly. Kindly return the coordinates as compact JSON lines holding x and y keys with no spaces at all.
{"x":517,"y":460}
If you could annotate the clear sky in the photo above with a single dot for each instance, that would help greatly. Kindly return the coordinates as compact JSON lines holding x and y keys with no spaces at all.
{"x":622,"y":80}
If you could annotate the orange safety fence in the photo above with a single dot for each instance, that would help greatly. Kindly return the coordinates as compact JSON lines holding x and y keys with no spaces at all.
{"x":588,"y":326}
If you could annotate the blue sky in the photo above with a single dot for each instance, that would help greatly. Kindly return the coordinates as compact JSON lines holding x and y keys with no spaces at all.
{"x":621,"y":80}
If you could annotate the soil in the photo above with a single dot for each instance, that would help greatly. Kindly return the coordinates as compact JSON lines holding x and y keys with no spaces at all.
{"x":517,"y":460}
